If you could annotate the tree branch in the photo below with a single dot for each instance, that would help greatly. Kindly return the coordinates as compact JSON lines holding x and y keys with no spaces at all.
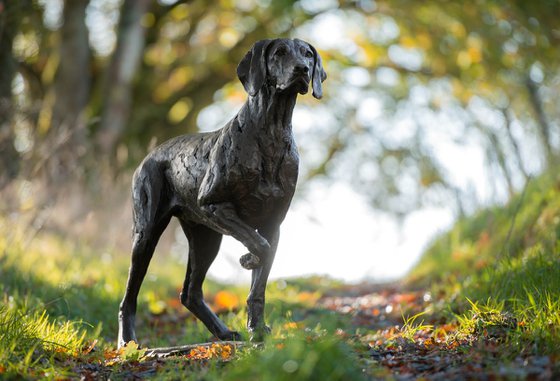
{"x":186,"y":349}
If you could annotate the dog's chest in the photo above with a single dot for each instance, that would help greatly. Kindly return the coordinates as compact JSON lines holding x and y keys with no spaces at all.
{"x":267,"y":177}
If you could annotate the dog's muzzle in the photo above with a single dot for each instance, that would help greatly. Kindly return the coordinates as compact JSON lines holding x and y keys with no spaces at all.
{"x":299,"y":82}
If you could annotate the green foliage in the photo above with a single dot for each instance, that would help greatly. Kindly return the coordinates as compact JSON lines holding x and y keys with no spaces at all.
{"x":497,"y":233}
{"x":31,"y":340}
{"x":494,"y":284}
{"x":61,"y":289}
{"x":411,"y":326}
{"x":75,"y":295}
{"x":500,"y":54}
{"x":504,"y":263}
{"x":132,"y":352}
{"x":302,"y":356}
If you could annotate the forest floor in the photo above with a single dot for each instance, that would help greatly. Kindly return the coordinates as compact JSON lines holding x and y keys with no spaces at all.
{"x":428,"y":343}
{"x":321,"y":329}
{"x":482,"y":303}
{"x":392,"y":331}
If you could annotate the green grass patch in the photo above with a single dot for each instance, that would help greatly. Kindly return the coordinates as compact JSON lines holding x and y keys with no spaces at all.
{"x":498,"y":271}
{"x":302,"y":356}
{"x":34,"y":344}
{"x":59,"y":318}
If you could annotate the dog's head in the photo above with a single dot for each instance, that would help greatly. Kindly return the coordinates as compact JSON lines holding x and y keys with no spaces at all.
{"x":288,"y":65}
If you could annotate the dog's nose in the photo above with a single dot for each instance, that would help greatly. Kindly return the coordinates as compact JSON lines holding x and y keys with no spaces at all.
{"x":301,"y":69}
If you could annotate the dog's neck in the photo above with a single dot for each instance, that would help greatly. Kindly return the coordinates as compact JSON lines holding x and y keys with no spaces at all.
{"x":269,"y":112}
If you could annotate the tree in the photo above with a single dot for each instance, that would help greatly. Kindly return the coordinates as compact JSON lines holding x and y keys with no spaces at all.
{"x":10,"y":17}
{"x":403,"y":76}
{"x":452,"y":68}
{"x":120,"y":74}
{"x":70,"y":92}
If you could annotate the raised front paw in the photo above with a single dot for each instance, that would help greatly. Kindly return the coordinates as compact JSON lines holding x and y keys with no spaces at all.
{"x":250,"y":261}
{"x":259,"y":246}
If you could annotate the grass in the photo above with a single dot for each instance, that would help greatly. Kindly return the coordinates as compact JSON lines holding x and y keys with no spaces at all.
{"x":411,"y":328}
{"x":492,"y":282}
{"x":308,"y":356}
{"x":498,"y":270}
{"x":31,"y":340}
{"x":59,"y":319}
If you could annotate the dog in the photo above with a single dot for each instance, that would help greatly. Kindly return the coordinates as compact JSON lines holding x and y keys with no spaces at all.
{"x":238,"y":180}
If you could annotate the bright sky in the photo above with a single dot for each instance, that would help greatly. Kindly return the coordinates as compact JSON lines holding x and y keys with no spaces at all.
{"x":334,"y":232}
{"x":331,"y":229}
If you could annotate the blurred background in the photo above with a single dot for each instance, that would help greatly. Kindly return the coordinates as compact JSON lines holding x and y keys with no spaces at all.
{"x":432,"y":110}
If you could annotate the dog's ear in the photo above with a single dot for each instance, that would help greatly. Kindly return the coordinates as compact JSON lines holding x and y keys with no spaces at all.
{"x":318,"y":76}
{"x":252,"y":68}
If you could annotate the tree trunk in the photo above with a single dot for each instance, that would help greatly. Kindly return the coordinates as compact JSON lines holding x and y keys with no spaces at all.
{"x":10,"y":17}
{"x":72,"y":80}
{"x":124,"y":64}
{"x":496,"y":150}
{"x":542,"y":120}
{"x":65,"y":138}
{"x":516,"y":149}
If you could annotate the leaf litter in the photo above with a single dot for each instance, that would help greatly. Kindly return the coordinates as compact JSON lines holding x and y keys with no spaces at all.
{"x":400,"y":337}
{"x":393,"y":330}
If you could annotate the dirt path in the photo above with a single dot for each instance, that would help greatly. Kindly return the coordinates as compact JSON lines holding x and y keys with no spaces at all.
{"x":431,"y":346}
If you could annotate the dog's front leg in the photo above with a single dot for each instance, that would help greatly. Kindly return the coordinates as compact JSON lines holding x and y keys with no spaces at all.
{"x":221,"y":215}
{"x":256,"y":301}
{"x":223,"y":218}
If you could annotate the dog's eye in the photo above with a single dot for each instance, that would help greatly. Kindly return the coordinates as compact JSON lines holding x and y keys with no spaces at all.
{"x":306,"y":52}
{"x":281,"y":51}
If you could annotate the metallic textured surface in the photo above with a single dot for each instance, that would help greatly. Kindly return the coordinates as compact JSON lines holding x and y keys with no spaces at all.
{"x":238,"y":181}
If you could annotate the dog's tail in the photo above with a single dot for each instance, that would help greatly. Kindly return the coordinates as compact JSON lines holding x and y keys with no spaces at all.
{"x":147,"y":187}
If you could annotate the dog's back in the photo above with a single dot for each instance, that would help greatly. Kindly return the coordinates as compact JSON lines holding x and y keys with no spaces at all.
{"x":170,"y":175}
{"x":232,"y":164}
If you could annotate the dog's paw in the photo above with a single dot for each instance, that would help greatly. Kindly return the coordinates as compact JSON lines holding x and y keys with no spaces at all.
{"x":123,"y":344}
{"x":230,"y":335}
{"x":250,"y":261}
{"x":258,"y":334}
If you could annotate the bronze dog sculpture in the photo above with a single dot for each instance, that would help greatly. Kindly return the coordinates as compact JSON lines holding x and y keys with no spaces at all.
{"x":238,"y":180}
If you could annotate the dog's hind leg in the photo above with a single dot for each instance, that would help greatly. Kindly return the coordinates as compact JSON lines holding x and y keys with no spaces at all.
{"x":204,"y":244}
{"x":150,"y":220}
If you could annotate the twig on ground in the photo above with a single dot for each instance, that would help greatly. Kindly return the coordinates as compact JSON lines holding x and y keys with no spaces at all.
{"x":185,"y":349}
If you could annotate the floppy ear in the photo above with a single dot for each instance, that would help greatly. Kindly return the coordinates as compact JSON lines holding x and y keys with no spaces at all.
{"x":252,"y":68}
{"x":318,"y":76}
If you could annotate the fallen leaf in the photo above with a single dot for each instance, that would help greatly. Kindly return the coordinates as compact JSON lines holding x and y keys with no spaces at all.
{"x":291,"y":325}
{"x":405,"y":298}
{"x":308,"y":297}
{"x":221,"y":351}
{"x":90,"y":347}
{"x":132,"y":352}
{"x":225,"y":300}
